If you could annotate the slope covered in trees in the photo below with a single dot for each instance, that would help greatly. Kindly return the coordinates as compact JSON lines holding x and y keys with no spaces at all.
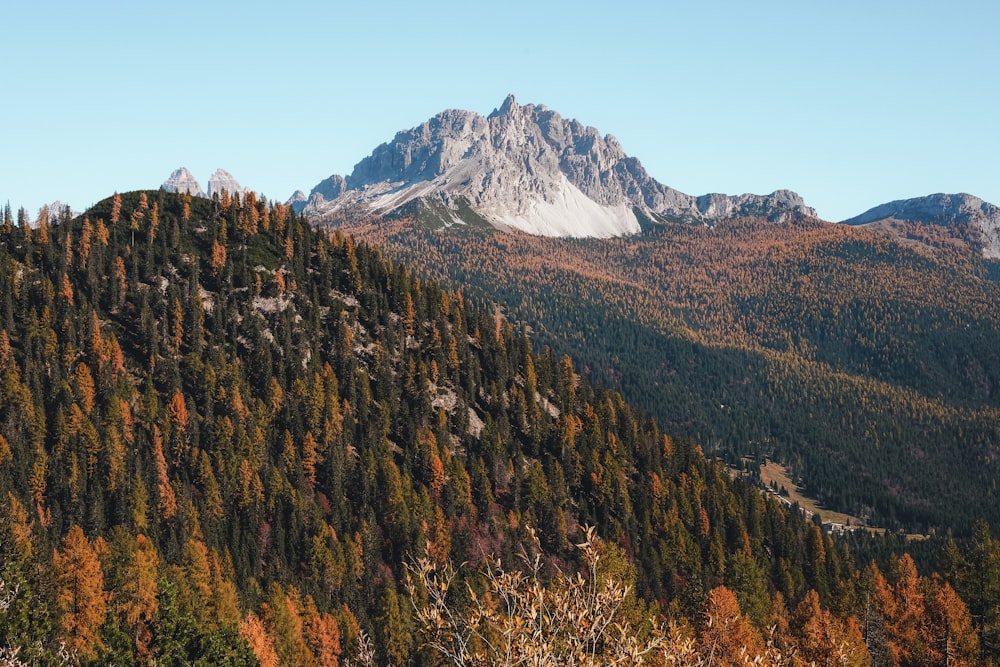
{"x":224,"y":435}
{"x":869,"y":365}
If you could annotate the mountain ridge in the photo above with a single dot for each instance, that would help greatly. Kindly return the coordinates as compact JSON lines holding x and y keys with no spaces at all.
{"x":945,"y":210}
{"x":525,"y":168}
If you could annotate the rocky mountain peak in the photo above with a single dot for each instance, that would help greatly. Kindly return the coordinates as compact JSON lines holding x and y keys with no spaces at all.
{"x":181,"y":180}
{"x":509,"y":107}
{"x":525,"y":167}
{"x":947,"y":210}
{"x":223,"y":180}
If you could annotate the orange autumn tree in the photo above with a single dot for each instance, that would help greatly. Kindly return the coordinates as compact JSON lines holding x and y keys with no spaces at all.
{"x":951,"y":634}
{"x":260,"y":640}
{"x":168,"y":501}
{"x":322,"y":634}
{"x":907,"y":624}
{"x":726,"y":636}
{"x":80,"y":596}
{"x":218,"y":257}
{"x":823,"y":639}
{"x":179,"y":420}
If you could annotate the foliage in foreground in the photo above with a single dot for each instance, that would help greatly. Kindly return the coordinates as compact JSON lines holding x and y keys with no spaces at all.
{"x":584,"y":619}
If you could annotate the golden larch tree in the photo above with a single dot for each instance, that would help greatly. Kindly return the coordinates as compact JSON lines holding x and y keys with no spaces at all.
{"x":138,"y":594}
{"x":80,"y":596}
{"x":256,"y":635}
{"x":116,"y":208}
{"x":726,"y":635}
{"x":168,"y":500}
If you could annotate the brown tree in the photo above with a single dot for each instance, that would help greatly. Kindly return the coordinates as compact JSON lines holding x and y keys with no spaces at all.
{"x":725,"y":635}
{"x":952,"y":636}
{"x":138,"y":594}
{"x":80,"y":596}
{"x":168,"y":501}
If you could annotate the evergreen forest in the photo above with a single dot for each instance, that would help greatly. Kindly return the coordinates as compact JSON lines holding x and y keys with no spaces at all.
{"x":229,"y":438}
{"x":866,"y":363}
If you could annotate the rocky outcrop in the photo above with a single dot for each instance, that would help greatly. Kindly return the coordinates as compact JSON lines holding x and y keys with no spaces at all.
{"x":527,"y":168}
{"x":298,"y":201}
{"x":181,"y":180}
{"x":223,"y":180}
{"x":945,"y":210}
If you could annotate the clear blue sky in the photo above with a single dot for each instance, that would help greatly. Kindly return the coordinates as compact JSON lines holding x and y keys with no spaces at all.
{"x":849,"y":103}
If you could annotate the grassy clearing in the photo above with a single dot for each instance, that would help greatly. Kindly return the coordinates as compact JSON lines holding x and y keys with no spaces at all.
{"x":777,"y":474}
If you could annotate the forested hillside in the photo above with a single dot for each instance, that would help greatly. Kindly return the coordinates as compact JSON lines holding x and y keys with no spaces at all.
{"x":867,"y":364}
{"x":224,"y":435}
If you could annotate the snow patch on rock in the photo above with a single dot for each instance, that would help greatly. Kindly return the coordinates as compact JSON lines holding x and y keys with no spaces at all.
{"x":570,"y":213}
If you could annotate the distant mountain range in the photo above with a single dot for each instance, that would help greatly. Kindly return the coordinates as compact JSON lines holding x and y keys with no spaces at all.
{"x":526,"y":168}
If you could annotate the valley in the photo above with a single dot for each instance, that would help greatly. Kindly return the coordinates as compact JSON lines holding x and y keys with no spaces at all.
{"x":840,"y":352}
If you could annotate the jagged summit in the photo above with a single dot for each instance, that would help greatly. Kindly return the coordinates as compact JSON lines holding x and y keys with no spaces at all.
{"x":181,"y":180}
{"x":509,"y":104}
{"x":524,"y":167}
{"x":223,"y":180}
{"x":947,"y":210}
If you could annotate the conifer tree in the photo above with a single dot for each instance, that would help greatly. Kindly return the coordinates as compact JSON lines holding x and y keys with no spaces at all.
{"x":80,"y":595}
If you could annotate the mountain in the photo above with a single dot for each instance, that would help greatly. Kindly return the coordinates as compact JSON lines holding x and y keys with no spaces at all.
{"x":181,"y":180}
{"x":58,"y":210}
{"x":226,"y":437}
{"x":979,"y":217}
{"x":524,"y":168}
{"x":223,"y":180}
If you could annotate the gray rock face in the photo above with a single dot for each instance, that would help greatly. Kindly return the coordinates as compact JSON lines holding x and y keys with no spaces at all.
{"x":223,"y":180}
{"x":526,"y":167}
{"x":945,"y":210}
{"x":331,"y":188}
{"x":298,"y":201}
{"x":181,"y":180}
